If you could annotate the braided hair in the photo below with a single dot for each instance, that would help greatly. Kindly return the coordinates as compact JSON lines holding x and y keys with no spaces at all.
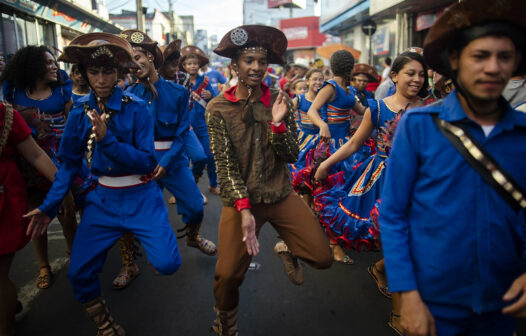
{"x":342,"y":64}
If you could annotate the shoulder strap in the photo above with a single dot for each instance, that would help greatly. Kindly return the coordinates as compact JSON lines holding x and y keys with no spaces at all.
{"x":6,"y":125}
{"x":378,"y":114}
{"x":483,"y":163}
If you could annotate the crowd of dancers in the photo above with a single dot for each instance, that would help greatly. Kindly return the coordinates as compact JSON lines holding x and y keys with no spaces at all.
{"x":427,"y":169}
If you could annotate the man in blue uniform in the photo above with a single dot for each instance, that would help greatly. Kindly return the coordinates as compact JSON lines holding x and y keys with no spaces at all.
{"x":362,"y":75}
{"x":452,"y":215}
{"x":117,"y":134}
{"x":167,"y":103}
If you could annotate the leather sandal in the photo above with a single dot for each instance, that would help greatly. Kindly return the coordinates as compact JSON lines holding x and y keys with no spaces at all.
{"x":346,"y":260}
{"x":215,"y":191}
{"x":204,"y":245}
{"x":384,"y":289}
{"x":126,"y":276}
{"x":390,"y":323}
{"x":44,"y":281}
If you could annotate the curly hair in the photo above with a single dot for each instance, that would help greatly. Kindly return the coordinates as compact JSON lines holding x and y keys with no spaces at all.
{"x":342,"y":64}
{"x":27,"y":66}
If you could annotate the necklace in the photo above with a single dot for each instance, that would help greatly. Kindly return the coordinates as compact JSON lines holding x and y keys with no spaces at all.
{"x":28,"y":94}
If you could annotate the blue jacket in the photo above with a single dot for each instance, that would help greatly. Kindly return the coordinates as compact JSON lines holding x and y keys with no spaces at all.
{"x":170,"y":119}
{"x":197,"y":113}
{"x":127,"y":148}
{"x":445,"y":231}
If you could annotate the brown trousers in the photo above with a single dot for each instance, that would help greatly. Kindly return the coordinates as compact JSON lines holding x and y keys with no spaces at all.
{"x":296,"y":225}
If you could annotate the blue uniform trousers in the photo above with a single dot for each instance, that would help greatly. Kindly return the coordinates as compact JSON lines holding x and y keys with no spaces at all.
{"x":181,"y":184}
{"x":452,"y":320}
{"x":197,"y":168}
{"x":110,"y":213}
{"x":193,"y":148}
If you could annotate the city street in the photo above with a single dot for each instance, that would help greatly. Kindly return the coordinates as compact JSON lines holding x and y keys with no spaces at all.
{"x":343,"y":299}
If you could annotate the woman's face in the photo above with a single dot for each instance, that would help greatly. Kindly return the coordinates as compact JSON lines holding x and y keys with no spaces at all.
{"x":315,"y":81}
{"x":51,"y":74}
{"x":78,"y":79}
{"x":145,"y":61}
{"x":410,"y":79}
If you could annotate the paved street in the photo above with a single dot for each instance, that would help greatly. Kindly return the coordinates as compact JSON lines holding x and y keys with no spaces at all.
{"x":342,"y":299}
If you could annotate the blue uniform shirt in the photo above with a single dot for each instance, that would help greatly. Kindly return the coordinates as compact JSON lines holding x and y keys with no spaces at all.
{"x":127,"y":148}
{"x":216,"y":78}
{"x":197,"y":113}
{"x":444,"y":230}
{"x":170,"y":119}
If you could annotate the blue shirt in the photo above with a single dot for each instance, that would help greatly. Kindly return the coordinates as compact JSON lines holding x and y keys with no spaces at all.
{"x":197,"y":112}
{"x":445,"y":231}
{"x":216,"y":78}
{"x":127,"y":148}
{"x":170,"y":118}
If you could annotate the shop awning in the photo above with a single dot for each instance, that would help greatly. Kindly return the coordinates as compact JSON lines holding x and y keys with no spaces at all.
{"x":327,"y":51}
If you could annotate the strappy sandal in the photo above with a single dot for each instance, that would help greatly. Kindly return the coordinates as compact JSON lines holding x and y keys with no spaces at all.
{"x":384,"y":289}
{"x":44,"y":281}
{"x":346,"y":260}
{"x":126,"y":276}
{"x":390,"y":323}
{"x":204,"y":245}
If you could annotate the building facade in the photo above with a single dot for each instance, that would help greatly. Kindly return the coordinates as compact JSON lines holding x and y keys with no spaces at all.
{"x":399,"y":24}
{"x":257,"y":12}
{"x":54,"y":24}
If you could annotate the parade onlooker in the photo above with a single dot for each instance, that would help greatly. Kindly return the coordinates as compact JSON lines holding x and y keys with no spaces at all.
{"x":116,"y":134}
{"x":386,"y":63}
{"x":15,"y":137}
{"x":216,"y":79}
{"x":452,"y":215}
{"x":515,"y":90}
{"x":253,"y":137}
{"x":41,"y":92}
{"x":289,"y":75}
{"x":193,"y":58}
{"x":300,"y":66}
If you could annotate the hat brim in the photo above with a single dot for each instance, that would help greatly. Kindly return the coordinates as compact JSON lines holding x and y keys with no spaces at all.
{"x":82,"y":55}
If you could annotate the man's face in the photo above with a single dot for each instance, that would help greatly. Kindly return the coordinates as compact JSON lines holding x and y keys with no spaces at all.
{"x":145,"y":61}
{"x":191,"y":66}
{"x":300,"y":71}
{"x":360,"y":82}
{"x":251,"y":67}
{"x":102,"y":79}
{"x":485,"y":65}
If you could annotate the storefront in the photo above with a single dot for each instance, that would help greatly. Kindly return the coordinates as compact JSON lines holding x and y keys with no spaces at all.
{"x":303,"y":35}
{"x":26,"y":22}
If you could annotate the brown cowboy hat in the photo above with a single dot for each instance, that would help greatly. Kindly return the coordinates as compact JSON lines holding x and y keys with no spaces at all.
{"x":138,"y":38}
{"x":248,"y":36}
{"x":102,"y":49}
{"x":482,"y":14}
{"x":193,"y":50}
{"x":366,"y":69}
{"x":171,"y":48}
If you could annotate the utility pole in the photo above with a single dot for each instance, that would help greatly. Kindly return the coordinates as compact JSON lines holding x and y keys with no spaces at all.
{"x":172,"y":22}
{"x":140,"y":15}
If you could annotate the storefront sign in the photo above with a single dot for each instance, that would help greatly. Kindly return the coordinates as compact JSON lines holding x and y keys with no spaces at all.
{"x":303,"y":32}
{"x":381,"y":41}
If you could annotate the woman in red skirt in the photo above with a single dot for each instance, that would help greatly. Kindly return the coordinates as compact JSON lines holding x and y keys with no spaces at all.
{"x":15,"y":138}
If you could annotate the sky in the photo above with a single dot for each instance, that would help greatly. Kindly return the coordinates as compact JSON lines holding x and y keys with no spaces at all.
{"x":216,"y":16}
